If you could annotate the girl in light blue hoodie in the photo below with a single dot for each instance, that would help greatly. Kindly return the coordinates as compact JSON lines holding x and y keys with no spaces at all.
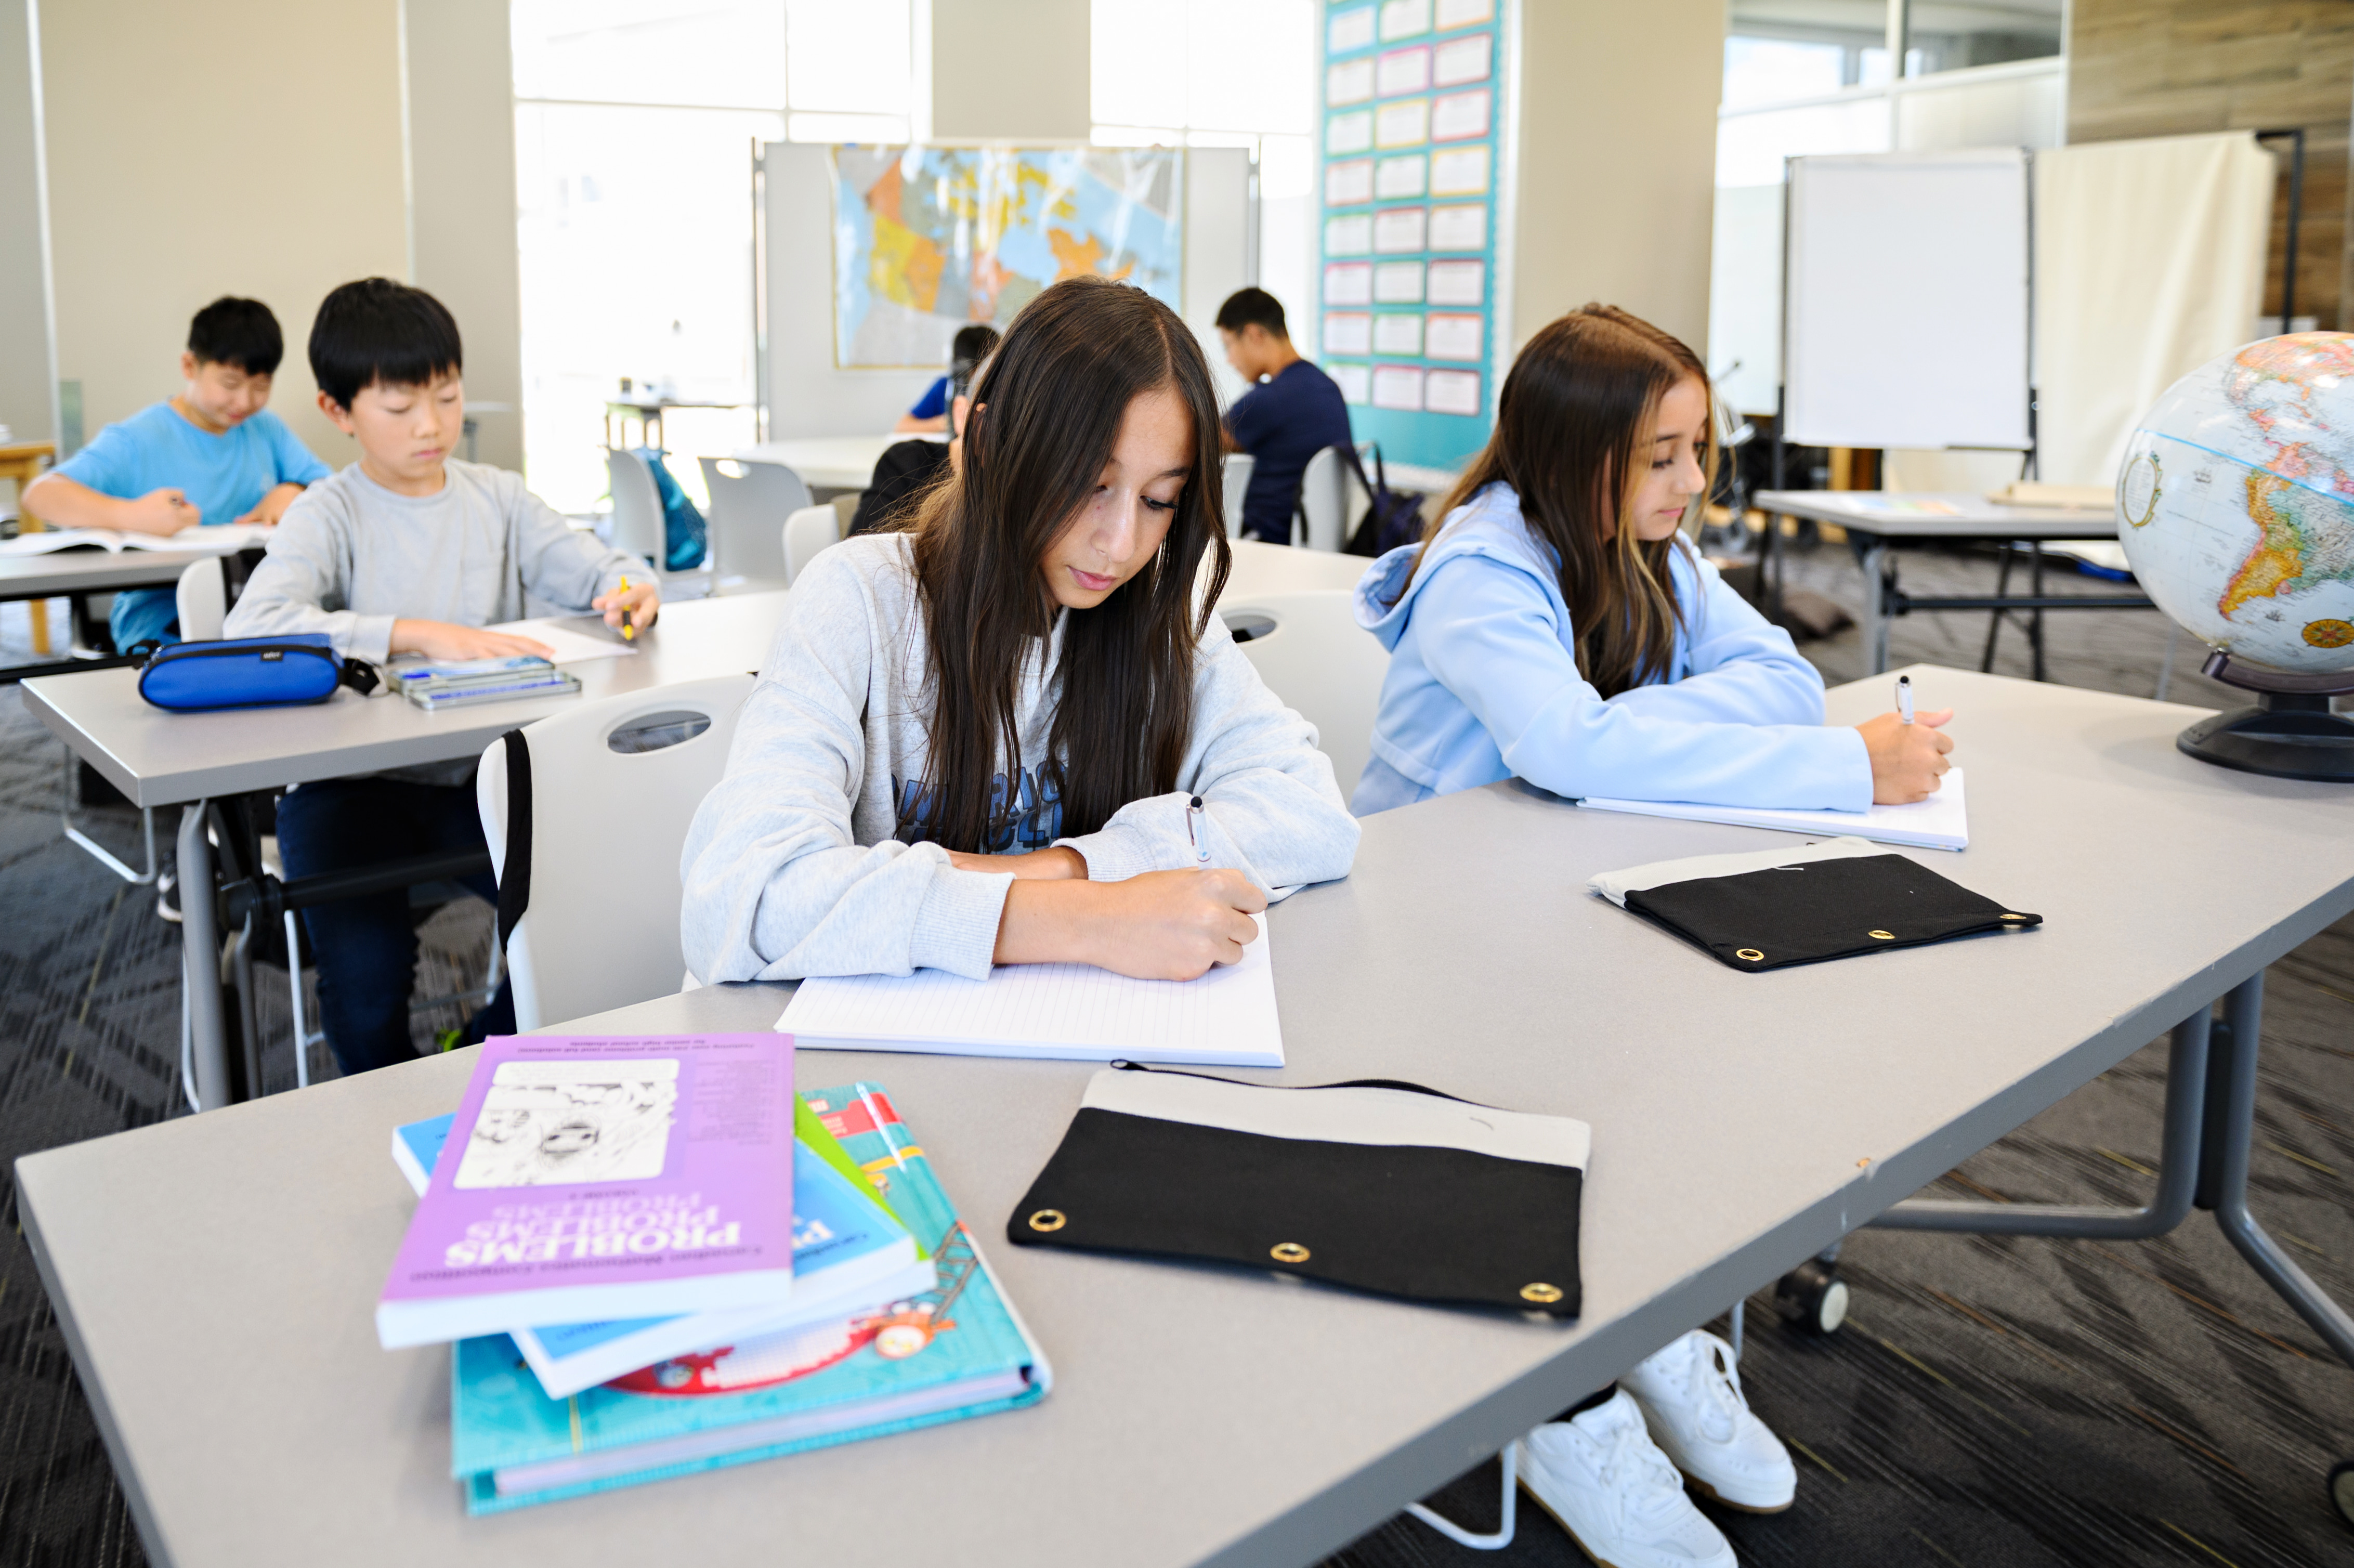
{"x":1557,"y":627}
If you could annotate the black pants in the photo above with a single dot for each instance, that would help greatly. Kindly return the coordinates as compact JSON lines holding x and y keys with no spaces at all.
{"x":366,"y":949}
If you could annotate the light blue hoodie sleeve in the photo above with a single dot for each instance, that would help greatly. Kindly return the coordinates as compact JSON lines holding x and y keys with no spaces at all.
{"x":1744,"y":729}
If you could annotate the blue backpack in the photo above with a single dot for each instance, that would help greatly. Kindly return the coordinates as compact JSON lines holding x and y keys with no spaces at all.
{"x":685,"y":537}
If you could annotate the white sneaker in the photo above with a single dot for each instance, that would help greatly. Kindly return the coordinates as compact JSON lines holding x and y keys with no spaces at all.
{"x":1603,"y":1480}
{"x":1690,"y":1394}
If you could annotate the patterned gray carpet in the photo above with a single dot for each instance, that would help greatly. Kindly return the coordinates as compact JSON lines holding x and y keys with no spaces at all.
{"x":1990,"y":1403}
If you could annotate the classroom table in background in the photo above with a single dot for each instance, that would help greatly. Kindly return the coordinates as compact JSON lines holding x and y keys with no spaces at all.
{"x":213,"y":1275}
{"x":829,"y":465}
{"x":74,"y":575}
{"x":1259,"y":568}
{"x":159,"y":758}
{"x":1875,"y":519}
{"x":648,"y":411}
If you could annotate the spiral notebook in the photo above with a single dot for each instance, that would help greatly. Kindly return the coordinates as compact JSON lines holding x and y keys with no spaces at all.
{"x":1067,"y":1012}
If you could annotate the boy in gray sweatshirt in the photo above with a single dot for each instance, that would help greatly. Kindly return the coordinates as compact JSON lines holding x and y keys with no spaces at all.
{"x":407,"y":551}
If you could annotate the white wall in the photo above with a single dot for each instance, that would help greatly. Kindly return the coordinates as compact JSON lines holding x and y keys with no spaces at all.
{"x":1617,"y":160}
{"x":1009,"y":70}
{"x":195,"y":151}
{"x":28,"y":368}
{"x":462,"y":153}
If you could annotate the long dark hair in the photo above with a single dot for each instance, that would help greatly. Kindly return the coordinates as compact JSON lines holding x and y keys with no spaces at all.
{"x":1574,"y":432}
{"x":1056,"y":392}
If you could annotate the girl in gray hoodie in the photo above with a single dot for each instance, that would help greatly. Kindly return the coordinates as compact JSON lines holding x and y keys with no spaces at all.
{"x":1016,"y":731}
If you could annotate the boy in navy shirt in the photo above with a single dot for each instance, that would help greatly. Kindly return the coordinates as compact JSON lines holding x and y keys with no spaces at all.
{"x":1292,"y":411}
{"x":210,"y":454}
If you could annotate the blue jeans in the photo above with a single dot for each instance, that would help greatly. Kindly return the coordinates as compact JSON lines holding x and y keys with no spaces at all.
{"x":141,"y":613}
{"x":366,"y":949}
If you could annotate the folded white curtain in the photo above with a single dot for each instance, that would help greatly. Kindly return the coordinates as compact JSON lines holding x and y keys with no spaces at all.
{"x":2150,"y":261}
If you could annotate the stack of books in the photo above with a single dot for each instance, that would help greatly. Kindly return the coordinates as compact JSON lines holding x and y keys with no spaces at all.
{"x":664,"y":1172}
{"x":437,"y":683}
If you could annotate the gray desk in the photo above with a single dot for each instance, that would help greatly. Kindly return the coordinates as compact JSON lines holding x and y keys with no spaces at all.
{"x":159,"y":758}
{"x":215,"y":1274}
{"x":70,"y":574}
{"x":1974,"y":519}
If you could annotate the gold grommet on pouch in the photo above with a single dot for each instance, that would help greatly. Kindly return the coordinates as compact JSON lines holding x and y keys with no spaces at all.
{"x":1545,"y":1294}
{"x":2010,"y":917}
{"x":1288,"y":1252}
{"x":1882,"y":936}
{"x":1048,"y":1220}
{"x":1752,"y":954}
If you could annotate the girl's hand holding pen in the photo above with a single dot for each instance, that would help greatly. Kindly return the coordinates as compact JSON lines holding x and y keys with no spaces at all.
{"x":1908,"y":759}
{"x":640,"y":601}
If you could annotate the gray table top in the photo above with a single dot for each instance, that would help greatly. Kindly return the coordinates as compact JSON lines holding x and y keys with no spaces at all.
{"x":93,"y":571}
{"x":1973,"y":516}
{"x":159,"y":758}
{"x":215,"y":1276}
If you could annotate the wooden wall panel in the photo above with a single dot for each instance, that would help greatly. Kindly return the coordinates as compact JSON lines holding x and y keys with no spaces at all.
{"x":2166,"y":68}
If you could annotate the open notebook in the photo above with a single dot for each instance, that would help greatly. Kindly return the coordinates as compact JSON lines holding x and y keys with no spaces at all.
{"x":1069,"y":1012}
{"x":1941,"y":822}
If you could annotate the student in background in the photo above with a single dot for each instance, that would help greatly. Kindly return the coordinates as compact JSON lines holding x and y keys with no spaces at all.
{"x":408,"y":550}
{"x":978,"y":739}
{"x":210,"y":453}
{"x":970,"y":346}
{"x":1292,"y":411}
{"x":1553,"y":625}
{"x":908,"y":471}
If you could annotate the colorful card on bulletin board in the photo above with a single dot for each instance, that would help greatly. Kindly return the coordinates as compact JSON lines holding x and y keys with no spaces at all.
{"x":927,"y":240}
{"x":1412,"y":136}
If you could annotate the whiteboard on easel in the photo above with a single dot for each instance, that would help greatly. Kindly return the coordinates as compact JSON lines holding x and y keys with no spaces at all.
{"x":1905,"y":317}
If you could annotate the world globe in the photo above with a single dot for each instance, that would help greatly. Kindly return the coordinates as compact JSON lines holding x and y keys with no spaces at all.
{"x":2236,"y":503}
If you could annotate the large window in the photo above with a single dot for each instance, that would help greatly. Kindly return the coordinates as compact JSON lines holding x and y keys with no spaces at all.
{"x":1222,"y":73}
{"x":634,"y":126}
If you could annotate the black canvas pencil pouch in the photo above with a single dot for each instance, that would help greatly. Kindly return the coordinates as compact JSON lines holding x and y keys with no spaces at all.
{"x":1380,"y":1186}
{"x":1832,"y":900}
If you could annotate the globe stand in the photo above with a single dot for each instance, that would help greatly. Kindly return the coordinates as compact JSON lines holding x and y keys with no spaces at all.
{"x":2289,"y":734}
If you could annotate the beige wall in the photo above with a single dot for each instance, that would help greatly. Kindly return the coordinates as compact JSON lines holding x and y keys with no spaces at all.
{"x":1617,"y":160}
{"x":26,"y":373}
{"x":463,"y":179}
{"x":195,"y":151}
{"x":1010,"y":70}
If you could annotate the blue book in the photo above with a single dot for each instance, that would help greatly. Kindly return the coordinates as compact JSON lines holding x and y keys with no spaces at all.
{"x":849,"y":1256}
{"x":955,"y":1351}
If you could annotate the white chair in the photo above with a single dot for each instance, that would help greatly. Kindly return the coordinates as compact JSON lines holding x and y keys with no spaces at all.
{"x":595,"y":842}
{"x":1326,"y":490}
{"x":749,"y":500}
{"x":811,"y":530}
{"x":203,"y":597}
{"x":637,"y":507}
{"x":1236,"y":479}
{"x":1314,"y":656}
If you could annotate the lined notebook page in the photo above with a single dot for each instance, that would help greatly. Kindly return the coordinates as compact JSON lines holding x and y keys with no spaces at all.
{"x":1071,"y":1011}
{"x":1941,"y":822}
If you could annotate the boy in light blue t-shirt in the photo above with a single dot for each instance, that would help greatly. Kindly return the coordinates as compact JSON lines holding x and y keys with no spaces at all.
{"x":211,"y":454}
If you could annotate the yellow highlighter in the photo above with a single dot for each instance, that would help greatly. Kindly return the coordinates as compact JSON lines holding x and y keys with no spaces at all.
{"x":629,"y":633}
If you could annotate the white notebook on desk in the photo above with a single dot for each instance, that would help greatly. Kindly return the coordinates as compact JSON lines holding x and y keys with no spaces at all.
{"x":1066,"y":1012}
{"x":1941,"y":822}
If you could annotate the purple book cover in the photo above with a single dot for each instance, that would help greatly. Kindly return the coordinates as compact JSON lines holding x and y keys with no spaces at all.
{"x":593,"y":1178}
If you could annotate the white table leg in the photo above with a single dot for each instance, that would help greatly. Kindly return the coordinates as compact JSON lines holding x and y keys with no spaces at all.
{"x":200,"y":961}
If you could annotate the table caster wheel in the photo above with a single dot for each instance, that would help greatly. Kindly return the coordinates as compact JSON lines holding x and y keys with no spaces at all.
{"x":2341,"y":1488}
{"x":1813,"y":1298}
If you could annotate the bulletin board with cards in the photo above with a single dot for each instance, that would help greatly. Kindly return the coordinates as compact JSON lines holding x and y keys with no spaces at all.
{"x":1412,"y":133}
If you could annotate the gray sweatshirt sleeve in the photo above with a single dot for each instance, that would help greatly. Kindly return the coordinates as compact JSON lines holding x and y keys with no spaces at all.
{"x":1270,"y":806}
{"x":777,"y":886}
{"x":301,"y":584}
{"x":561,"y":564}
